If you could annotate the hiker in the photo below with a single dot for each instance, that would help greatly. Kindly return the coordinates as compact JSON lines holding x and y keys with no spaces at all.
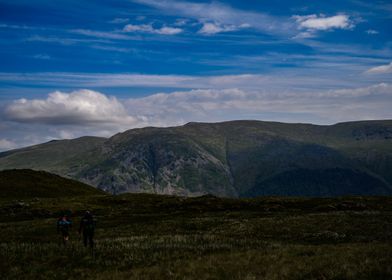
{"x":87,"y":227}
{"x":64,"y":224}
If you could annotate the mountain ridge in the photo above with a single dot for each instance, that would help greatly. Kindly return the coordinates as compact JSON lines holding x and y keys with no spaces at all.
{"x":226,"y":159}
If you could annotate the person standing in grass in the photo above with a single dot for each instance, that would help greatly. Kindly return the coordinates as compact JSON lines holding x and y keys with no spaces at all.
{"x":64,"y":224}
{"x":87,"y":228}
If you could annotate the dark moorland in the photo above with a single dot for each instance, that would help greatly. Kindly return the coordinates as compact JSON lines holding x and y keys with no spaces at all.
{"x":146,"y":236}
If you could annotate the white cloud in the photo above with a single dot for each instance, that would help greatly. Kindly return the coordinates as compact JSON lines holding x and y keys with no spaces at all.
{"x":148,"y":28}
{"x":383,"y":69}
{"x":374,"y":90}
{"x":113,"y":49}
{"x":101,"y":34}
{"x":181,"y":22}
{"x":138,"y":28}
{"x":85,"y":112}
{"x":138,"y":80}
{"x":298,"y":79}
{"x":66,"y":134}
{"x":60,"y":40}
{"x":26,"y":27}
{"x":305,"y":35}
{"x":228,"y":104}
{"x":7,"y":145}
{"x":86,"y":107}
{"x":210,"y":28}
{"x":321,"y":22}
{"x":42,"y":56}
{"x":76,"y":108}
{"x":119,"y":20}
{"x":169,"y":30}
{"x":372,"y":32}
{"x":221,"y":14}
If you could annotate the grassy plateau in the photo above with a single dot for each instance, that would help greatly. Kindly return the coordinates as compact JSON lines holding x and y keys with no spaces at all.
{"x":147,"y":236}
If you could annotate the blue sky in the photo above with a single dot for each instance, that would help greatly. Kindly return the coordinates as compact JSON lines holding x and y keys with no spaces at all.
{"x":73,"y":68}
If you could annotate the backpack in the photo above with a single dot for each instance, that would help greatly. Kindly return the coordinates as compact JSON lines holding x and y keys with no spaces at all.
{"x":89,"y":224}
{"x":64,"y":225}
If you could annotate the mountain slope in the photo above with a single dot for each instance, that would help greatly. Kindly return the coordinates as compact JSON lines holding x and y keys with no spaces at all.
{"x":319,"y":182}
{"x":237,"y":158}
{"x":26,"y":183}
{"x":59,"y":156}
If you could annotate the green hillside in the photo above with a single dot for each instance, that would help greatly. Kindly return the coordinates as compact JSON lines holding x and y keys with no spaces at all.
{"x":25,"y":183}
{"x":61,"y":156}
{"x":232,"y":159}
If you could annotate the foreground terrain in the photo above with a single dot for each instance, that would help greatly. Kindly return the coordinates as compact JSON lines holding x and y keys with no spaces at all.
{"x":145,"y":236}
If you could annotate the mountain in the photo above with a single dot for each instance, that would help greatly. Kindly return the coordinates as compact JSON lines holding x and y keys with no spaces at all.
{"x":235,"y":159}
{"x":26,"y":183}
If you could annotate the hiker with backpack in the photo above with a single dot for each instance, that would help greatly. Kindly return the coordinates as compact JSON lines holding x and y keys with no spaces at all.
{"x":87,"y":228}
{"x":64,"y":224}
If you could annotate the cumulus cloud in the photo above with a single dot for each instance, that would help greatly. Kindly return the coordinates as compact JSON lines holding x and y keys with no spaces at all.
{"x":76,"y":108}
{"x":311,"y":24}
{"x":321,"y":22}
{"x":383,"y":69}
{"x":148,"y":28}
{"x":85,"y":112}
{"x":227,"y":104}
{"x":86,"y":107}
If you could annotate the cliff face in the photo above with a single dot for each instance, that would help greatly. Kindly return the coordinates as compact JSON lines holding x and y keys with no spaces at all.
{"x":159,"y":161}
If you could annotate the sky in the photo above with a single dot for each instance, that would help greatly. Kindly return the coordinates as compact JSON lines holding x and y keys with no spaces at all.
{"x":70,"y":68}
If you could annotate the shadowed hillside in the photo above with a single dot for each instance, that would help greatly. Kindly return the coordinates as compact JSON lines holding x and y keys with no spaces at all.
{"x":24,"y":183}
{"x":233,"y":159}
